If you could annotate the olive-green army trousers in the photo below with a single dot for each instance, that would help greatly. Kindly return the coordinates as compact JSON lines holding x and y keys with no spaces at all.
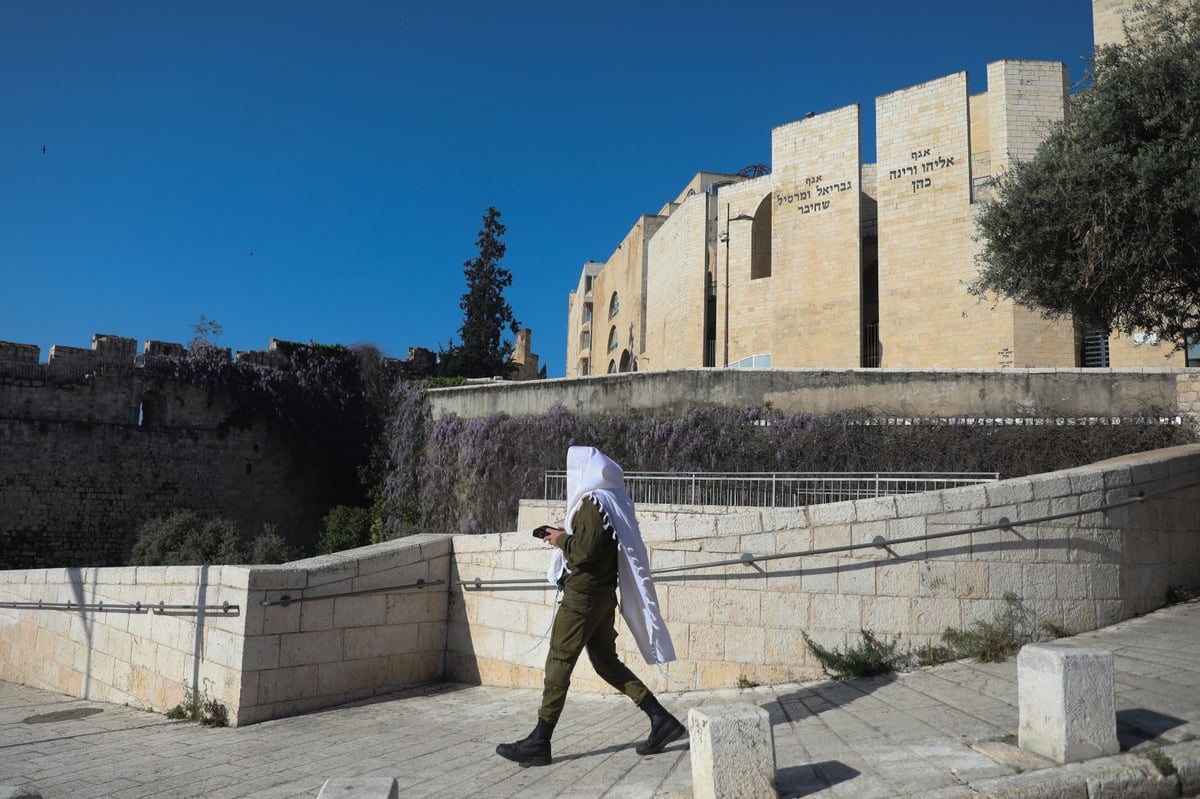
{"x":585,"y":621}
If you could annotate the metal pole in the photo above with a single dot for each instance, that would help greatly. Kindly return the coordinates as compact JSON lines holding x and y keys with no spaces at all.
{"x":726,"y":285}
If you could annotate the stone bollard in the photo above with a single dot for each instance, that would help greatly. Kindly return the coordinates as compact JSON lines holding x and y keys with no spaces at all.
{"x":1065,"y":700}
{"x":362,"y":788}
{"x":732,"y":751}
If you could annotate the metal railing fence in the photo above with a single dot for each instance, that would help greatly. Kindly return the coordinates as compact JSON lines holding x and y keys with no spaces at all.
{"x":773,"y":489}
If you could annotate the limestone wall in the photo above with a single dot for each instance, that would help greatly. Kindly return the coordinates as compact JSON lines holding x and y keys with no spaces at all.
{"x":676,"y":290}
{"x":986,"y":393}
{"x":815,"y":241}
{"x":323,"y":652}
{"x":126,"y":653}
{"x":260,"y":662}
{"x":748,"y":328}
{"x":582,"y":321}
{"x":1109,"y":18}
{"x":619,"y":331}
{"x":1027,"y":96}
{"x":1085,"y":570}
{"x":923,"y":144}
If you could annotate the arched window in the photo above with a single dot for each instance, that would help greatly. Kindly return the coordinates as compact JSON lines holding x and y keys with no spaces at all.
{"x":614,"y":305}
{"x":613,"y":343}
{"x":612,"y":367}
{"x":760,"y":240}
{"x":625,"y":361}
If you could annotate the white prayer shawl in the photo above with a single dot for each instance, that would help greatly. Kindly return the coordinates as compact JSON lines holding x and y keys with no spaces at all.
{"x":590,"y":473}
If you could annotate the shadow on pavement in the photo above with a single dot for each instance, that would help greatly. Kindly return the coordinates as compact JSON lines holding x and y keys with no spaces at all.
{"x":824,"y":696}
{"x":1138,"y":725}
{"x":802,"y":780}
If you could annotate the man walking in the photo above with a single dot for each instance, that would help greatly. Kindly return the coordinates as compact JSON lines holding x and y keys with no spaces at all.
{"x":600,"y":547}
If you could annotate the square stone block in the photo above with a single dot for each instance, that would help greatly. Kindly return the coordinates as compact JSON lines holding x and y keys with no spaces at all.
{"x":732,"y":752}
{"x":1066,"y":702}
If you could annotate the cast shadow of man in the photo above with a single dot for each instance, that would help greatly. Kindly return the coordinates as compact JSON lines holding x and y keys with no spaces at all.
{"x":810,"y":702}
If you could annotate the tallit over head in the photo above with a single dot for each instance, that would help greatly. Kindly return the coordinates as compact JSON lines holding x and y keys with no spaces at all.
{"x":591,"y":473}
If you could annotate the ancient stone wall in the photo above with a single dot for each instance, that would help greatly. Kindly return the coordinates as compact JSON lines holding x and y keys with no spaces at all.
{"x":91,"y":446}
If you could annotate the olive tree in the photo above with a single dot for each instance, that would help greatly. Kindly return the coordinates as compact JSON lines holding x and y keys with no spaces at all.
{"x":1103,"y":223}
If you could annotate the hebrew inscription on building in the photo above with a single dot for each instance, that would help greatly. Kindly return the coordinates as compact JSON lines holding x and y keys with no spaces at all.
{"x":805,"y":199}
{"x":925,"y":162}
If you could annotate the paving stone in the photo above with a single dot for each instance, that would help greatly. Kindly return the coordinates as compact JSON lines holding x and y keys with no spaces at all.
{"x":935,"y":733}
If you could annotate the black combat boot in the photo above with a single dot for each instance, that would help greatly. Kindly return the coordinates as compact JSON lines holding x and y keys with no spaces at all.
{"x":664,"y":728}
{"x":533,"y":749}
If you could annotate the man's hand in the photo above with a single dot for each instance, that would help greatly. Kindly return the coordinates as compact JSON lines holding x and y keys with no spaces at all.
{"x":553,"y":534}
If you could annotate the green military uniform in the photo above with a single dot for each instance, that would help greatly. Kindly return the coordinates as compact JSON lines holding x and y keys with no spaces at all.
{"x":586,"y":568}
{"x":586,"y":618}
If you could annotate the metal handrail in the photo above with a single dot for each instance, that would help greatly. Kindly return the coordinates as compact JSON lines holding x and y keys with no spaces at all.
{"x":286,"y":600}
{"x":879,"y":542}
{"x":108,"y":607}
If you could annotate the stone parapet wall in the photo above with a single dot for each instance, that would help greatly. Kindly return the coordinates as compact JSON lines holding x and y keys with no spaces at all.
{"x":319,"y":653}
{"x":941,"y":393}
{"x":259,"y":661}
{"x":126,"y":654}
{"x":734,"y":622}
{"x":1077,"y":549}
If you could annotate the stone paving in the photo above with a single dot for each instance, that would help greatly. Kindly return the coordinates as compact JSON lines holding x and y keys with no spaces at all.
{"x":943,"y":732}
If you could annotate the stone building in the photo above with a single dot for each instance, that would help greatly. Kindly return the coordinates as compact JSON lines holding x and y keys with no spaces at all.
{"x":825,"y":261}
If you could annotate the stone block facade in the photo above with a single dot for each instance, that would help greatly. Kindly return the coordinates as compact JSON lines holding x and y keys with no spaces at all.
{"x":826,"y":261}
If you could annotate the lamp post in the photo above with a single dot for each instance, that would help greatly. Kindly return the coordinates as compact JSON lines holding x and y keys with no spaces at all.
{"x":724,"y":237}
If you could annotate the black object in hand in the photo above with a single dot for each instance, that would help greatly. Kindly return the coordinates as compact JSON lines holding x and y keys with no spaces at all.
{"x":542,"y":532}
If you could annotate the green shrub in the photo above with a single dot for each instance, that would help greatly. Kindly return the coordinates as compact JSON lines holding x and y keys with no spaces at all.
{"x":345,"y":528}
{"x":270,"y":547}
{"x":1053,"y":630}
{"x":204,"y":709}
{"x":186,"y":539}
{"x":869,"y":658}
{"x":1162,"y":761}
{"x":935,"y":655}
{"x":991,"y":641}
{"x":1178,"y":594}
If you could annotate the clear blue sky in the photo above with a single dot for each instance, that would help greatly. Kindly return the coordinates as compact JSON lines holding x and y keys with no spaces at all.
{"x":353,"y":147}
